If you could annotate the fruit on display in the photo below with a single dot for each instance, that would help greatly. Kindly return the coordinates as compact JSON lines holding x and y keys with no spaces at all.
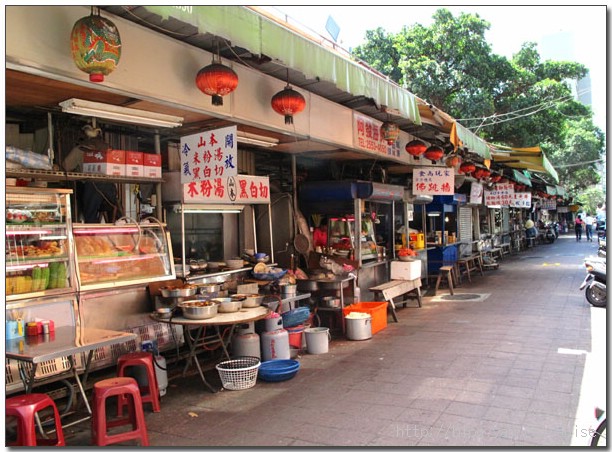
{"x":407,"y":252}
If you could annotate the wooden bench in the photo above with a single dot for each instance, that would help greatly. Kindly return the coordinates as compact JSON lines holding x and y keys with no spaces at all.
{"x":506,"y":249}
{"x":395,"y":288}
{"x":473,"y":262}
{"x":445,"y":270}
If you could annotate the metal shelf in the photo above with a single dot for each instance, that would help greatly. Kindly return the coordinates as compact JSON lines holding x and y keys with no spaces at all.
{"x":50,"y":175}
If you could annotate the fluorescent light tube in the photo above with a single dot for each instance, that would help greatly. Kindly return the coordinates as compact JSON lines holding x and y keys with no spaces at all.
{"x":256,"y":140}
{"x":122,"y":114}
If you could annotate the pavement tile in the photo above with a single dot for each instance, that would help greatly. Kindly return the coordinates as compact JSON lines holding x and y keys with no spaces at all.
{"x":466,"y":409}
{"x":437,"y":405}
{"x":329,"y":436}
{"x":507,"y":415}
{"x":515,"y":391}
{"x":514,"y":403}
{"x":417,"y":416}
{"x":479,"y":398}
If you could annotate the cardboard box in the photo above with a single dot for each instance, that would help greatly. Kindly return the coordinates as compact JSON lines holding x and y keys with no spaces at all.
{"x":111,"y":162}
{"x":151,"y":165}
{"x":406,"y":271}
{"x":133,"y":164}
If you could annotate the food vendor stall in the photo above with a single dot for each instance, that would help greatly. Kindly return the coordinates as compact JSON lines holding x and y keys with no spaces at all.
{"x":361,"y":220}
{"x":442,"y":232}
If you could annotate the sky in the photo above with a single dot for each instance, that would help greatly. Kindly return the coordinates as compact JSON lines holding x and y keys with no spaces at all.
{"x":511,"y":26}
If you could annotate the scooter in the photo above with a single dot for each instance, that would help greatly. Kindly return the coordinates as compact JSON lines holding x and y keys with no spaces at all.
{"x":601,"y":251}
{"x":595,"y":281}
{"x":549,"y":234}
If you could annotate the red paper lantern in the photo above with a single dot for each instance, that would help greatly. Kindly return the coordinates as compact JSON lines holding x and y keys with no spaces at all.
{"x":96,"y":46}
{"x":288,"y":102}
{"x":216,"y":80}
{"x":389,"y":131}
{"x":453,"y":161}
{"x":495,"y":178}
{"x":434,"y":153}
{"x":503,"y":180}
{"x":480,"y":173}
{"x":467,"y":168}
{"x":416,"y":148}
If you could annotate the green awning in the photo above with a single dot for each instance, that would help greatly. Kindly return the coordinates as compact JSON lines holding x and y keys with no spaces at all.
{"x":460,"y":136}
{"x":532,"y":159}
{"x":261,"y":36}
{"x":551,"y":190}
{"x":521,"y":177}
{"x":560,"y":190}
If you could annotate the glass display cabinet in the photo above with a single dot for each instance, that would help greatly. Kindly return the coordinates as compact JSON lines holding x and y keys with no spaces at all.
{"x":342,"y":238}
{"x":124,"y":253}
{"x":38,"y":243}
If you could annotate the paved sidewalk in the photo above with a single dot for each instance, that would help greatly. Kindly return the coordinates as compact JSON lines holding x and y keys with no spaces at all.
{"x":506,"y":371}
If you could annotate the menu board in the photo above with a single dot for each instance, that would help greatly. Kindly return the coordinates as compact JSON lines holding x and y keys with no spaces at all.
{"x":209,"y":155}
{"x":501,"y":195}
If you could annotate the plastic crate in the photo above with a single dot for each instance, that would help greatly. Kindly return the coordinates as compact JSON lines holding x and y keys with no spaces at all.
{"x":377,"y":309}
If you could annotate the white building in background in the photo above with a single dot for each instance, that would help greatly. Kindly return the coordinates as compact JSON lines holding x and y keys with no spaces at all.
{"x":561,"y":47}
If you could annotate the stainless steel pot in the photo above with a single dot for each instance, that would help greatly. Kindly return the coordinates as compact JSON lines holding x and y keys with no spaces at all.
{"x":358,"y":329}
{"x":252,"y":301}
{"x":168,"y":292}
{"x":307,"y":285}
{"x":288,"y":289}
{"x":198,"y":309}
{"x":331,"y":302}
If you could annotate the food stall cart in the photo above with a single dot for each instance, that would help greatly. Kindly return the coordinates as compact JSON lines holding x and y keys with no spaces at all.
{"x":361,"y":224}
{"x":442,"y":232}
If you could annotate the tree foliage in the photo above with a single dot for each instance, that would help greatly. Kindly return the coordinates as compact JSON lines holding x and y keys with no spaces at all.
{"x":521,"y":102}
{"x":590,"y":199}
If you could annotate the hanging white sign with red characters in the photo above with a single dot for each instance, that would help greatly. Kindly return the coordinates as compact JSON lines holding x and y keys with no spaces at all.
{"x":431,"y":180}
{"x":209,"y":155}
{"x":239,"y":189}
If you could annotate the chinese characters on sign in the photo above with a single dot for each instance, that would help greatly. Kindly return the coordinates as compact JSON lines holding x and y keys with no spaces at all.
{"x":476,"y":193}
{"x":368,"y":137}
{"x":501,"y":195}
{"x":228,"y":190}
{"x":433,"y":181}
{"x":209,"y":155}
{"x":549,"y":204}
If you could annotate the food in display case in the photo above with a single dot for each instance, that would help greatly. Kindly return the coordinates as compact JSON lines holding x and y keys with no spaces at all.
{"x":37,"y":242}
{"x":122,"y":254}
{"x":342,"y":236}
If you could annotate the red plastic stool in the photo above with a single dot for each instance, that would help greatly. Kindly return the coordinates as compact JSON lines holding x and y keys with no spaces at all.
{"x":149,"y":393}
{"x":121,"y":387}
{"x":24,"y":407}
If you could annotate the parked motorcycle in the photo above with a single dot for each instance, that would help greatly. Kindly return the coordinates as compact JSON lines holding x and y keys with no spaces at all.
{"x":601,"y":251}
{"x":549,"y":234}
{"x":595,"y":281}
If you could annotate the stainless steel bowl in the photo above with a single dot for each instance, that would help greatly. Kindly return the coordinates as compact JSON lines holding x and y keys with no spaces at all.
{"x":168,"y":292}
{"x":198,"y":309}
{"x":331,"y":302}
{"x":209,"y":288}
{"x":198,"y":265}
{"x":164,"y":313}
{"x":226,"y":305}
{"x":253,"y":301}
{"x":239,"y":297}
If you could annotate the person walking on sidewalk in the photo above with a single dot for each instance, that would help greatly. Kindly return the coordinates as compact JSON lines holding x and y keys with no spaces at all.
{"x":589,"y":221}
{"x":578,"y":227}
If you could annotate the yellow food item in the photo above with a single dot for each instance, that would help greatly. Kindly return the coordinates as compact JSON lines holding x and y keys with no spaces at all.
{"x":260,"y":268}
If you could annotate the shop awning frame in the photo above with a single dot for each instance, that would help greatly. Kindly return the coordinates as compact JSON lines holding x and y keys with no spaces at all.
{"x":532,"y":159}
{"x":460,"y":136}
{"x":521,"y":177}
{"x":247,"y":29}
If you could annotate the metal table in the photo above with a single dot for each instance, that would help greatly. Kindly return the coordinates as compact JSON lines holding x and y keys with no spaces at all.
{"x":66,"y":342}
{"x":231,"y":319}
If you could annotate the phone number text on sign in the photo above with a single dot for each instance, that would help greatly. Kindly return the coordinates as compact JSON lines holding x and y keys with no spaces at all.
{"x":228,"y":190}
{"x":433,"y":181}
{"x":209,"y":155}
